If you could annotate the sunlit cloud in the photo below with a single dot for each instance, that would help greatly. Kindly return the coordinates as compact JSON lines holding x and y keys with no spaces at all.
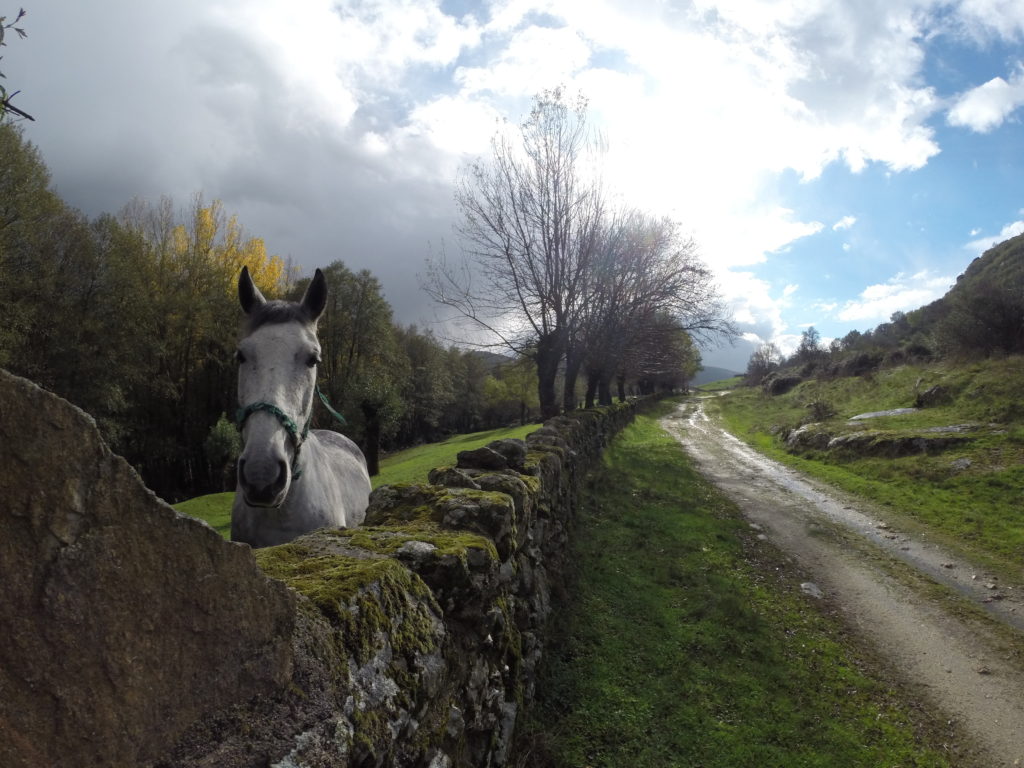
{"x":900,"y":293}
{"x":986,"y":107}
{"x":982,"y":244}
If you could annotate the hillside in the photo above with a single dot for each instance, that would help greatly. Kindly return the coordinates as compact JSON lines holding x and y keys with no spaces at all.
{"x":952,"y":459}
{"x":711,"y":373}
{"x":983,"y":313}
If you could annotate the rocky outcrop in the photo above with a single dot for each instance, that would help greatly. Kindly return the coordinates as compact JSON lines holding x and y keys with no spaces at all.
{"x":893,"y":445}
{"x":139,"y":637}
{"x":123,"y":621}
{"x":777,"y":383}
{"x":809,"y":436}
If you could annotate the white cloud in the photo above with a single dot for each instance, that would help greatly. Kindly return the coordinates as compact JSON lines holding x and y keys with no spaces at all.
{"x":535,"y":58}
{"x":456,"y":125}
{"x":876,"y":303}
{"x":844,"y":223}
{"x":986,"y":107}
{"x":982,"y":244}
{"x":987,"y":18}
{"x":341,"y":124}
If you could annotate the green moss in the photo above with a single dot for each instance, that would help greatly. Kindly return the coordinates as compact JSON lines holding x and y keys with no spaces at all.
{"x":371,"y":731}
{"x":386,"y":540}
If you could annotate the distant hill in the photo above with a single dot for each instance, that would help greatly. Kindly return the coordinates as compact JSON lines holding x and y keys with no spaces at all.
{"x":491,"y":360}
{"x":711,"y":373}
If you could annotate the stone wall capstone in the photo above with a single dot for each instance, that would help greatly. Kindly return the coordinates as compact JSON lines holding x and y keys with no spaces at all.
{"x":139,"y":637}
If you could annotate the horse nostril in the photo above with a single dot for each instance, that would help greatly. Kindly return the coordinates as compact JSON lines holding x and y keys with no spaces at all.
{"x":282,"y":472}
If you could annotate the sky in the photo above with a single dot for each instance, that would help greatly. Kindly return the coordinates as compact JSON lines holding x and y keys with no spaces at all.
{"x":835,"y":160}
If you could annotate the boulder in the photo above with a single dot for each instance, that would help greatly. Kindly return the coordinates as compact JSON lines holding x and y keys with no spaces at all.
{"x":123,"y":621}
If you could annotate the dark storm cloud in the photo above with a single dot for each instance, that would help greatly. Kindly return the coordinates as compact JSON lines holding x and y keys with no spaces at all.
{"x":169,"y":101}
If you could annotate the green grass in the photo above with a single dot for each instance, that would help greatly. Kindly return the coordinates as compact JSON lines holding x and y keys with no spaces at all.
{"x":408,"y":466}
{"x":977,"y":510}
{"x":215,"y":509}
{"x":413,"y":464}
{"x":721,"y":384}
{"x":687,"y":644}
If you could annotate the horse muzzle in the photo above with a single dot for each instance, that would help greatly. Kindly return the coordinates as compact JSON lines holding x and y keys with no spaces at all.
{"x":263,"y":484}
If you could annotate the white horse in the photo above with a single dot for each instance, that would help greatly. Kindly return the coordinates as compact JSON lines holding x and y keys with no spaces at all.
{"x":290,"y":480}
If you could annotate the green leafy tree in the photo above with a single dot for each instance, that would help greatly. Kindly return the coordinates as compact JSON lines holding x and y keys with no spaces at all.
{"x":428,"y":391}
{"x":765,"y":359}
{"x":364,"y":368}
{"x":222,"y":446}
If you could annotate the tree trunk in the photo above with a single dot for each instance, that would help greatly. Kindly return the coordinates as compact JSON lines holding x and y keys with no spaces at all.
{"x":592,"y":378}
{"x":549,"y":354}
{"x":573,"y":361}
{"x":604,"y":390}
{"x":621,"y":382}
{"x":371,"y":438}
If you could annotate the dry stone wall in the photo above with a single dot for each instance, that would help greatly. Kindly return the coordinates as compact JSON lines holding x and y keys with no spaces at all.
{"x":137,"y":636}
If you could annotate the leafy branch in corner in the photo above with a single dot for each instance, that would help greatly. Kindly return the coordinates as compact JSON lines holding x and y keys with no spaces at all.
{"x":5,"y":98}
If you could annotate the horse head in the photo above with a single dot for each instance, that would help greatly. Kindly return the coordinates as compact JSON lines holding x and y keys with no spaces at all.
{"x":277,"y":360}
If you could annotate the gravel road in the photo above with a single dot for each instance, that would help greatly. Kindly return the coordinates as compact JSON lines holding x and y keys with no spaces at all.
{"x":962,"y":661}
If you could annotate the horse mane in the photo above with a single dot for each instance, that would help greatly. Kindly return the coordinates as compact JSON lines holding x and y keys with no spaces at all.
{"x":274,"y":312}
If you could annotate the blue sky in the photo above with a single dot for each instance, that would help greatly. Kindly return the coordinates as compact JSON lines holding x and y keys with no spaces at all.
{"x":836,"y":160}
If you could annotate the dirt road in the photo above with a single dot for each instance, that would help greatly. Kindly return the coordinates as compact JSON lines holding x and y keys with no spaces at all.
{"x":961,"y":661}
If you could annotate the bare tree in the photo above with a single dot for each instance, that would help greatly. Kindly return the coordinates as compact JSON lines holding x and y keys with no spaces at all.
{"x":6,"y":107}
{"x":648,"y":281}
{"x":530,"y":222}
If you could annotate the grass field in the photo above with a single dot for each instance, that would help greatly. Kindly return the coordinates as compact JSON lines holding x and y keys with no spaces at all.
{"x":977,"y":508}
{"x":688,"y":643}
{"x":408,"y":466}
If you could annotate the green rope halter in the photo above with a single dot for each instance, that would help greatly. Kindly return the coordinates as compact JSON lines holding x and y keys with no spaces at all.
{"x":298,"y":438}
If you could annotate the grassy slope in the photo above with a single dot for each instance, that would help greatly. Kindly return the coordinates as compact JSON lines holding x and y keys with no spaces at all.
{"x":413,"y":464}
{"x":688,"y":643}
{"x":979,"y":508}
{"x":408,"y":466}
{"x":717,"y":386}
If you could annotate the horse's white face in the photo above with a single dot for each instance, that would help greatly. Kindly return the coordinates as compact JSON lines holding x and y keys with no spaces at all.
{"x":277,"y":366}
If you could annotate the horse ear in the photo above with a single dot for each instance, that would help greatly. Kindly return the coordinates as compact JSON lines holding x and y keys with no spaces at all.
{"x":249,"y":295}
{"x":315,"y":298}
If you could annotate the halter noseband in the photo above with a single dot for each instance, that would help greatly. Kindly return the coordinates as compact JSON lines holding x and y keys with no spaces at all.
{"x":298,"y":438}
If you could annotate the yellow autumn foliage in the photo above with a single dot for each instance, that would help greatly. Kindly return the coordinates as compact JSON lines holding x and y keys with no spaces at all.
{"x":214,"y":246}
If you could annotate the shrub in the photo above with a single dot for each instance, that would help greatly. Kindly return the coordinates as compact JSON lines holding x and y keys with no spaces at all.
{"x":821,"y":410}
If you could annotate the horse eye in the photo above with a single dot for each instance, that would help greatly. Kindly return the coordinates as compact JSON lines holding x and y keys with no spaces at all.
{"x":313,"y":360}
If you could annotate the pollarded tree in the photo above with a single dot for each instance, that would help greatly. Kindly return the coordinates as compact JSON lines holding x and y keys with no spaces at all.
{"x":663,"y":358}
{"x":530,"y":219}
{"x":646,"y":275}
